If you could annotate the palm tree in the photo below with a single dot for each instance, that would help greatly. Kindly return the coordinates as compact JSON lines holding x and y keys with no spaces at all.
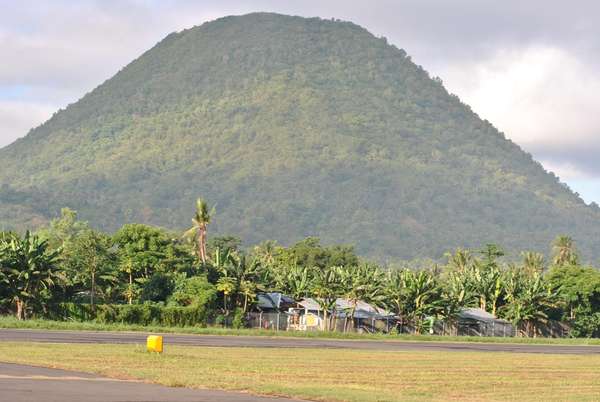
{"x":564,"y":251}
{"x":239,"y":279}
{"x":28,"y":269}
{"x":227,"y":285}
{"x":533,"y":262}
{"x":129,"y":268}
{"x":198,"y":230}
{"x":266,"y":252}
{"x":460,"y":261}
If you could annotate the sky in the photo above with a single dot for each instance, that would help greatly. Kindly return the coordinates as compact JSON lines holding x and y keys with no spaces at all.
{"x":532,"y":68}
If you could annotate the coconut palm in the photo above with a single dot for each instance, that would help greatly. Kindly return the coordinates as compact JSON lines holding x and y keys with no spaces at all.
{"x":198,"y":231}
{"x":564,"y":251}
{"x":228,"y":286}
{"x":239,"y":279}
{"x":129,"y":267}
{"x":533,"y":262}
{"x":266,"y":252}
{"x":460,"y":261}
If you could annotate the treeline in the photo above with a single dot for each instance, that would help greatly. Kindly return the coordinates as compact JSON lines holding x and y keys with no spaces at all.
{"x":148,"y":275}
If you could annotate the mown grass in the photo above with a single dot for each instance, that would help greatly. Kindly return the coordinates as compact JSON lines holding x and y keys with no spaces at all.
{"x":333,"y":375}
{"x":10,"y":322}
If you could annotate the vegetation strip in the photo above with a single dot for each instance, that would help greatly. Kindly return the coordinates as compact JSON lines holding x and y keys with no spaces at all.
{"x":145,"y":276}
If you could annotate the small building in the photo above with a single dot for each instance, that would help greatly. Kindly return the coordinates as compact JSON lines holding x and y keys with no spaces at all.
{"x":478,"y":322}
{"x":273,"y":302}
{"x":309,"y":316}
{"x":270,"y":311}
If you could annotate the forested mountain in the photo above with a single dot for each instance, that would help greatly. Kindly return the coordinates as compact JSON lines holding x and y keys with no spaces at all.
{"x":292,"y":127}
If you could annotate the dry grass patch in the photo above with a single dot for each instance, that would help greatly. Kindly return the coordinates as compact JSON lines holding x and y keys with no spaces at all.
{"x":334,"y":374}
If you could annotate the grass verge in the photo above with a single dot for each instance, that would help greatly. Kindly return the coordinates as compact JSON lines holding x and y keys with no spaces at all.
{"x":11,"y":322}
{"x":333,"y":375}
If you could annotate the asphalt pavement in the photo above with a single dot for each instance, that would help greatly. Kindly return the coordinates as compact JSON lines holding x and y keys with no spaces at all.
{"x":19,"y":383}
{"x":105,"y":337}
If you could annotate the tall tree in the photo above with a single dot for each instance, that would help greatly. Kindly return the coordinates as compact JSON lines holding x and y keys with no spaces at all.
{"x":89,"y":259}
{"x":564,"y":252}
{"x":533,"y":262}
{"x":63,"y":229}
{"x":198,"y":231}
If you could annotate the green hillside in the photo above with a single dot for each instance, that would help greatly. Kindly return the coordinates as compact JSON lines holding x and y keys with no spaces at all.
{"x":293,"y":127}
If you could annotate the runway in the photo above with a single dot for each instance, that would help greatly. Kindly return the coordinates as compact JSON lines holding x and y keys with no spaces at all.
{"x":20,"y":383}
{"x":106,"y":337}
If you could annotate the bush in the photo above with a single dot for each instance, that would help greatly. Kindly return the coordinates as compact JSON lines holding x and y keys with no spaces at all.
{"x":239,"y":320}
{"x":586,"y":326}
{"x":157,"y":288}
{"x":139,"y":314}
{"x":195,"y":291}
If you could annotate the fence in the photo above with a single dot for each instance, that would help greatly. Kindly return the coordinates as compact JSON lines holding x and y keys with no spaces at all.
{"x":272,"y":321}
{"x":497,"y":328}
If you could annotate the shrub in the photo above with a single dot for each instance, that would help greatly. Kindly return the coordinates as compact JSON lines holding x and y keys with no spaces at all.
{"x":157,"y":288}
{"x":195,"y":291}
{"x":138,"y":314}
{"x":239,"y":320}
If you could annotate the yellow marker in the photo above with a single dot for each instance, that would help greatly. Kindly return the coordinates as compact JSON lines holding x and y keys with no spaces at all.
{"x":154,"y":343}
{"x":311,"y":320}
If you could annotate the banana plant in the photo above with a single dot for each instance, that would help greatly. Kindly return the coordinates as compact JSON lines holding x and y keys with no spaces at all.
{"x":29,"y":269}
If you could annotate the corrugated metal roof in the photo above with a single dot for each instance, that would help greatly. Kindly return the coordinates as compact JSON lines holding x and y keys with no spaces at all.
{"x":272,"y":300}
{"x":344,"y":306}
{"x":477,"y":314}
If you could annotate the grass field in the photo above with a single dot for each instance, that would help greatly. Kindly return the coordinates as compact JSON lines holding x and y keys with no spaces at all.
{"x":334,"y":375}
{"x":10,"y":322}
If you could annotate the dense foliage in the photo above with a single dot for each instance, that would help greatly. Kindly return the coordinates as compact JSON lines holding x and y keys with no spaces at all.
{"x":145,"y":275}
{"x":296,"y":127}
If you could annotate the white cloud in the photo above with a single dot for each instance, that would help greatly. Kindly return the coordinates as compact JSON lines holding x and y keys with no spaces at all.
{"x":16,"y":118}
{"x":565,"y":170}
{"x":543,"y":98}
{"x":537,"y":95}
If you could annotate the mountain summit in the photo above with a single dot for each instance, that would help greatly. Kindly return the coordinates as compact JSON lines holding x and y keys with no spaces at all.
{"x":293,"y":127}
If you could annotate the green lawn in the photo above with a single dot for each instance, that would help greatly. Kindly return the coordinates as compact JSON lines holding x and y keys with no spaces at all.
{"x":10,"y":322}
{"x":334,"y":375}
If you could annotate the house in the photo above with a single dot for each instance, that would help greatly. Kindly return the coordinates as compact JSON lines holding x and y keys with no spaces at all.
{"x":273,"y":302}
{"x":309,"y":315}
{"x":270,"y":311}
{"x":478,"y":322}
